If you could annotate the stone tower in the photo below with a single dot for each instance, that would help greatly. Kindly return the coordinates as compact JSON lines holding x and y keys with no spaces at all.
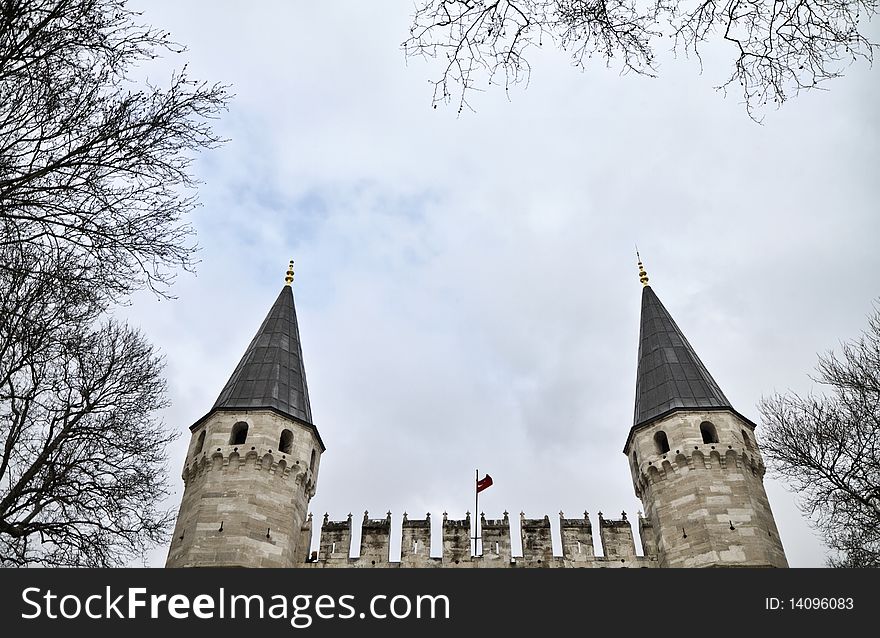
{"x":694,"y":460}
{"x":253,"y":459}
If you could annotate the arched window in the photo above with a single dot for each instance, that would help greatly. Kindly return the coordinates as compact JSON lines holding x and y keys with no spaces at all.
{"x":661,"y":442}
{"x":312,"y":462}
{"x":286,"y":442}
{"x":200,"y":443}
{"x":635,"y":459}
{"x":747,"y":440}
{"x":239,"y":433}
{"x":710,"y":435}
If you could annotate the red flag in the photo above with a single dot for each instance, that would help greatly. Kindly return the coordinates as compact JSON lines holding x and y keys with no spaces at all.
{"x":483,"y":483}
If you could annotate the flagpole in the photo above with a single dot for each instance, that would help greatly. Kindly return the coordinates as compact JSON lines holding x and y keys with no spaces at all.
{"x":476,"y":509}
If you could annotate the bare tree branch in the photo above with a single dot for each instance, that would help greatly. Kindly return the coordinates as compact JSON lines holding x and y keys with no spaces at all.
{"x":779,"y":47}
{"x":82,"y":456}
{"x":828,"y":448}
{"x":95,"y":187}
{"x":90,"y":159}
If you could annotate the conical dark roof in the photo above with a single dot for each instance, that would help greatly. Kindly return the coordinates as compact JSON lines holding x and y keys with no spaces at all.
{"x":271,"y":373}
{"x":670,"y":374}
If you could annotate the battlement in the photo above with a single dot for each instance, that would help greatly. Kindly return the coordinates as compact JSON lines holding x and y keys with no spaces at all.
{"x":617,"y":537}
{"x":415,"y":546}
{"x":376,"y":523}
{"x":457,"y":549}
{"x":451,"y":523}
{"x":646,"y":534}
{"x":577,"y":538}
{"x":706,"y":457}
{"x":495,"y":541}
{"x":413,"y":523}
{"x":575,"y":522}
{"x":250,"y":458}
{"x":537,"y":540}
{"x":376,"y":540}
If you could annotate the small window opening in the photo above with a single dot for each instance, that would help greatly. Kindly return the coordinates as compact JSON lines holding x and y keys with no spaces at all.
{"x":286,"y":442}
{"x":200,"y":443}
{"x":661,"y":442}
{"x":239,"y":433}
{"x":710,"y":434}
{"x":312,"y":461}
{"x":747,"y":439}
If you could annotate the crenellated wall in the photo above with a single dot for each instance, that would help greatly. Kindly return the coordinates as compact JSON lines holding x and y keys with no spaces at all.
{"x":537,"y":536}
{"x":577,"y":538}
{"x":495,"y":544}
{"x":617,"y":537}
{"x":375,"y":541}
{"x":415,"y":546}
{"x":537,"y":543}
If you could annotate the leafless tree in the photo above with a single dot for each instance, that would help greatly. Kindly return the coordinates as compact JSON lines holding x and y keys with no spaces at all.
{"x":89,"y":158}
{"x":82,"y":454}
{"x":828,"y":448}
{"x":95,"y":187}
{"x":778,"y":47}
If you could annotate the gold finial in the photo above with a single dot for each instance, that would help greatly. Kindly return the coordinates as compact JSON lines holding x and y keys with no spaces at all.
{"x":643,"y":276}
{"x":288,"y":278}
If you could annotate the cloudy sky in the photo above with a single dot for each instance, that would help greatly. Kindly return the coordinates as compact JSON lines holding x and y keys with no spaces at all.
{"x":466,"y":286}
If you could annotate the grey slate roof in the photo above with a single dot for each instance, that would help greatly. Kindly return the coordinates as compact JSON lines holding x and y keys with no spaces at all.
{"x":271,"y":373}
{"x":670,"y":374}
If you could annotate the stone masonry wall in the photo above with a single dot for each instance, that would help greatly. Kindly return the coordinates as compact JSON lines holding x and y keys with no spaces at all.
{"x":617,"y":537}
{"x":245,"y":504}
{"x":577,"y":539}
{"x":705,"y":500}
{"x":537,"y":542}
{"x":415,"y":546}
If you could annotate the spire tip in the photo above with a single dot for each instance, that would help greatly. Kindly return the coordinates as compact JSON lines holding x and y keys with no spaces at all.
{"x":643,"y":276}
{"x":288,"y":278}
